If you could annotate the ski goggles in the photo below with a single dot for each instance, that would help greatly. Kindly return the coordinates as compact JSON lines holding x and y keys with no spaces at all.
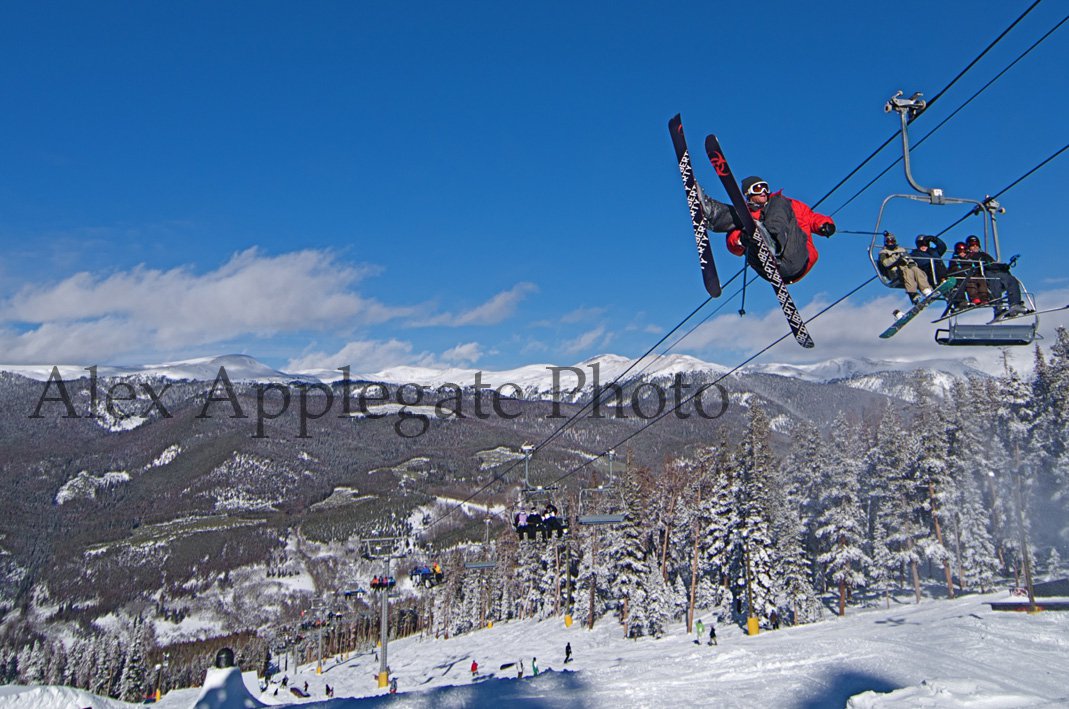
{"x":757,"y":188}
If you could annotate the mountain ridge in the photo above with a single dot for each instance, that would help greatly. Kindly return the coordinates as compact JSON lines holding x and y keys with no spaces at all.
{"x":531,"y":378}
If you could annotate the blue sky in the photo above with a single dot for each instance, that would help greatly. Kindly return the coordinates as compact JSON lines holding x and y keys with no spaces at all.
{"x":480,"y":184}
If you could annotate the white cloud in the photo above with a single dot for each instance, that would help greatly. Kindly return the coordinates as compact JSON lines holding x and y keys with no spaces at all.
{"x":466,"y":353}
{"x":79,"y":342}
{"x":362,"y":356}
{"x":582,"y":315}
{"x":492,"y":312}
{"x":598,"y":337}
{"x":852,"y":329}
{"x":86,"y":316}
{"x":369,"y":356}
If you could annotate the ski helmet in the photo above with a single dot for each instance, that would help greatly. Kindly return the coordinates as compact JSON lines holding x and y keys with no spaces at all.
{"x":889,"y":239}
{"x":960,"y":246}
{"x":972,"y":239}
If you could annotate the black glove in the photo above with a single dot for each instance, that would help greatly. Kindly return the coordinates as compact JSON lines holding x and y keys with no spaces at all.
{"x":826,"y":229}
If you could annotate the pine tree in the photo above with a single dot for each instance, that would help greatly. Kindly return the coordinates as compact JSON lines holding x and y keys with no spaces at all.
{"x":718,"y":522}
{"x":756,"y":565}
{"x":896,"y":504}
{"x":32,"y":663}
{"x":933,"y":473}
{"x":1051,"y":427}
{"x":132,"y":682}
{"x":977,"y":559}
{"x":1054,"y":561}
{"x":631,"y":557}
{"x":805,"y":469}
{"x":841,"y":529}
{"x":1014,"y":418}
{"x":975,"y":555}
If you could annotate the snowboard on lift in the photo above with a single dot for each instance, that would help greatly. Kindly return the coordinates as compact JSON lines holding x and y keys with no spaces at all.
{"x":940,"y":291}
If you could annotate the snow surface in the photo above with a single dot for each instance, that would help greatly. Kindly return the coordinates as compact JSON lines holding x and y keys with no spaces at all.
{"x":193,"y":627}
{"x":839,"y":368}
{"x":85,"y":485}
{"x":956,"y":653}
{"x":228,"y":689}
{"x":15,"y":696}
{"x":937,"y":654}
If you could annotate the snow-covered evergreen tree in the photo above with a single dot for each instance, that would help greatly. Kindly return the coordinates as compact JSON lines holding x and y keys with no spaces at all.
{"x":805,"y":478}
{"x":1054,"y":562}
{"x":897,"y":504}
{"x":631,"y":558}
{"x":934,"y":475}
{"x":134,"y":678}
{"x":975,"y":556}
{"x":841,"y":525}
{"x":757,"y":567}
{"x":32,"y":663}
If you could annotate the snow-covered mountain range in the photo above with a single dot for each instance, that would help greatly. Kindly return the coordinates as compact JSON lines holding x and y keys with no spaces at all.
{"x":534,"y":380}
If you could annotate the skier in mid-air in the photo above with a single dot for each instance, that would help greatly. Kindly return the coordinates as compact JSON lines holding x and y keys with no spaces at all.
{"x":790,"y":223}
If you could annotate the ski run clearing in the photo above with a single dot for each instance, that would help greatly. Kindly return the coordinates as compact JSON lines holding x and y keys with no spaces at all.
{"x":955,"y":653}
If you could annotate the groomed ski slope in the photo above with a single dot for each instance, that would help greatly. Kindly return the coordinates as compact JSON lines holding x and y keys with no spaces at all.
{"x":937,"y":654}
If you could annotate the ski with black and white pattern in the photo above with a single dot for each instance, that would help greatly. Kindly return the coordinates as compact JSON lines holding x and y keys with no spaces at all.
{"x":697,"y":214}
{"x":760,"y":237}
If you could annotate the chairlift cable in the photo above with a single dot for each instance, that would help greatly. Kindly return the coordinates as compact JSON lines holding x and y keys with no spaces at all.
{"x":661,"y":416}
{"x":564,"y":425}
{"x":928,"y":105}
{"x":704,"y":320}
{"x":498,"y":476}
{"x":1006,"y":189}
{"x":942,"y":123}
{"x":719,"y":379}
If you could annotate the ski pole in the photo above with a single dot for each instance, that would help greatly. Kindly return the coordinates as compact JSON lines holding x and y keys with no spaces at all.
{"x":742,"y":306}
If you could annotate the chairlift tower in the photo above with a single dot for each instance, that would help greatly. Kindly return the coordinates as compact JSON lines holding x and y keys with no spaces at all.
{"x":318,"y":608}
{"x":384,"y":548}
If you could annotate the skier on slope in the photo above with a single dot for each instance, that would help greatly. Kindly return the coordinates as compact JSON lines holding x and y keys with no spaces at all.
{"x":699,"y":631}
{"x":790,"y":223}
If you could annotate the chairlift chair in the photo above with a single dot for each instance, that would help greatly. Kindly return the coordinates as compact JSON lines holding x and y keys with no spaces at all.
{"x":989,"y":334}
{"x":482,"y":565}
{"x":599,"y":519}
{"x":529,"y":495}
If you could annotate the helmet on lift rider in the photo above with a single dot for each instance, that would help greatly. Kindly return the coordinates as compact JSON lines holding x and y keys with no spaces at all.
{"x":923,"y":240}
{"x":973,"y":239}
{"x":890,"y":240}
{"x":959,"y":248}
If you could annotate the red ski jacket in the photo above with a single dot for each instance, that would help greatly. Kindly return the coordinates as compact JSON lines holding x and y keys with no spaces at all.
{"x":807,"y":222}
